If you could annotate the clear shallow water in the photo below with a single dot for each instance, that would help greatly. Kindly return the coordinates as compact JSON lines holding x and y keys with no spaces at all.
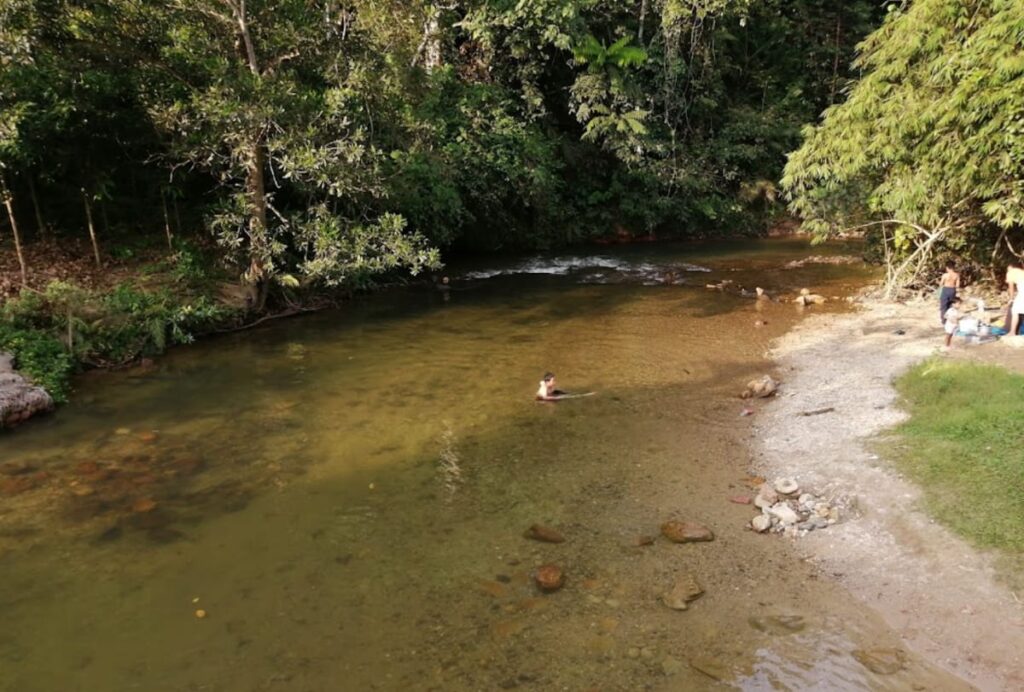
{"x":345,"y":495}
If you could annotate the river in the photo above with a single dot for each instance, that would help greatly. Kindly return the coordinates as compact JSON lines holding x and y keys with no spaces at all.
{"x":342,"y":497}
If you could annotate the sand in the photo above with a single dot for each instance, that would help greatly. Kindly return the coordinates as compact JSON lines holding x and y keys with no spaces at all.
{"x":938,"y":593}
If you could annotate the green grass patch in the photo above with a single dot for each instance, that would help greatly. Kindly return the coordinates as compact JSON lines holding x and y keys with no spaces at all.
{"x":964,"y":445}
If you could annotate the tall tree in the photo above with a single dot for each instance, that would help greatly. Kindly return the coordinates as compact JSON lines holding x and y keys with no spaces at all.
{"x":930,"y":143}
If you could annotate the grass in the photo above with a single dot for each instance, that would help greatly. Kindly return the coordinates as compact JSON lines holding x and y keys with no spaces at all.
{"x":964,"y":445}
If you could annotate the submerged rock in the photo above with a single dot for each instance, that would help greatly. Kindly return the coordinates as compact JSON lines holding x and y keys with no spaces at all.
{"x":544,"y":534}
{"x":683,"y":592}
{"x":549,"y":578}
{"x":686,"y":532}
{"x":778,"y":624}
{"x":882,"y":661}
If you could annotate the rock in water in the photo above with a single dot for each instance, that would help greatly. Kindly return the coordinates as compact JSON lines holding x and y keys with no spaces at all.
{"x":786,"y":486}
{"x":549,"y":578}
{"x":761,"y":388}
{"x":686,"y":532}
{"x":882,"y":661}
{"x":760,"y":523}
{"x":683,"y":592}
{"x":544,"y":534}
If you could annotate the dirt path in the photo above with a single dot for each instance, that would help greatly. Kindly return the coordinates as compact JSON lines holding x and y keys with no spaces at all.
{"x":939,"y":594}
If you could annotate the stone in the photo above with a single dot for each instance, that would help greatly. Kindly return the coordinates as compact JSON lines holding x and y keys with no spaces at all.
{"x":711,"y":667}
{"x":766,"y":497}
{"x":881,"y":661}
{"x":644,"y":540}
{"x":760,"y":388}
{"x":806,"y":499}
{"x":549,"y":578}
{"x":761,"y":523}
{"x":740,"y":499}
{"x":543,"y":534}
{"x":670,"y":666}
{"x":778,"y":624}
{"x":15,"y":468}
{"x":786,"y":486}
{"x":784,"y":513}
{"x":686,"y":532}
{"x":683,"y":592}
{"x":143,"y":505}
{"x":818,"y":522}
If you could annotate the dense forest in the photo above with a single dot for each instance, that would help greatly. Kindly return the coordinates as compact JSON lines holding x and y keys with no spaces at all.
{"x":303,"y":145}
{"x":318,"y":141}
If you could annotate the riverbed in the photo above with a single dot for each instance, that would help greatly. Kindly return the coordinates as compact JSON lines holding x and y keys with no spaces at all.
{"x":339,"y":501}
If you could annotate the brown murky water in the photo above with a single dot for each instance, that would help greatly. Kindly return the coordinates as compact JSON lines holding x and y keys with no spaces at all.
{"x":345,"y":497}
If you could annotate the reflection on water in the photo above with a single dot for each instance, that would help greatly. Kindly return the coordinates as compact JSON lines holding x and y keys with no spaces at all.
{"x":344,"y":496}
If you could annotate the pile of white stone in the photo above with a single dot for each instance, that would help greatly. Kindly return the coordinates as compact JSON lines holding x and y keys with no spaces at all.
{"x":784,"y":509}
{"x":19,"y":398}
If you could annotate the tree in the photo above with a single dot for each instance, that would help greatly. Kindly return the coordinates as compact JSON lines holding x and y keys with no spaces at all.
{"x":261,"y":95}
{"x":929,"y":146}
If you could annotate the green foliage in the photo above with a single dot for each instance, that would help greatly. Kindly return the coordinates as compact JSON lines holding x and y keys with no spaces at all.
{"x":931,"y":138}
{"x":295,"y":131}
{"x":41,"y":357}
{"x":960,"y":445}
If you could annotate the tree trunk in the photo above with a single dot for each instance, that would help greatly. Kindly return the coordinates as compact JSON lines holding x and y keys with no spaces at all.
{"x":92,"y":228}
{"x":258,"y":241}
{"x":835,"y":59}
{"x":177,"y":216}
{"x":40,"y":224}
{"x":643,"y":16}
{"x":167,"y":222}
{"x":9,"y":204}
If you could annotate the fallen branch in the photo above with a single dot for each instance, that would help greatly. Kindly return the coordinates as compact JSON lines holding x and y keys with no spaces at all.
{"x":817,"y":412}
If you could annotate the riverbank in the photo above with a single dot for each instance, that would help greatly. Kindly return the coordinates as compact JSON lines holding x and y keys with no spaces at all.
{"x":938,"y":593}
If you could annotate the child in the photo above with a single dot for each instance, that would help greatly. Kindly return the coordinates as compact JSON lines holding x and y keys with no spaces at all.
{"x":547,"y":391}
{"x":951,"y":320}
{"x":947,"y":289}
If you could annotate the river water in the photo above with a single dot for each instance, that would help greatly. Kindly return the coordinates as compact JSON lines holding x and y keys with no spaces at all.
{"x":343,"y":497}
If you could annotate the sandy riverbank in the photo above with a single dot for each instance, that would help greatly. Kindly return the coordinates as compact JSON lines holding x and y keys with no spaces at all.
{"x":939,"y":594}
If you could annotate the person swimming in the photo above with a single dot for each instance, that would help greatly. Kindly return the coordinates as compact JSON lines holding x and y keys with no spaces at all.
{"x":547,"y":390}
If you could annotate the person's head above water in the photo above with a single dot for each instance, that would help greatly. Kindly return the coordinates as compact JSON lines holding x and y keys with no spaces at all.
{"x":549,"y":377}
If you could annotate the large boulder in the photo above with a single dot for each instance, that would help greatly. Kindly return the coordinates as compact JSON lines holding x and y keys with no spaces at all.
{"x":19,"y":398}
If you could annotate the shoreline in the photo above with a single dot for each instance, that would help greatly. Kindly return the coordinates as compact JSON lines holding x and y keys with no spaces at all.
{"x":939,"y":594}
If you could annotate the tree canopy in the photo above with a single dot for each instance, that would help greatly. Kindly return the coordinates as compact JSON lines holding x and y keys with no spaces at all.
{"x":322,"y":141}
{"x":929,"y":145}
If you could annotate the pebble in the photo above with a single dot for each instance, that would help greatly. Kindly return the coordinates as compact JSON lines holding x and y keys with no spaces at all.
{"x":685,"y":590}
{"x":881,"y":661}
{"x":200,"y":613}
{"x":786,"y":486}
{"x":766,"y":497}
{"x":761,"y":523}
{"x":784,"y":513}
{"x":549,"y":578}
{"x":670,"y":666}
{"x":686,"y":532}
{"x":544,"y":534}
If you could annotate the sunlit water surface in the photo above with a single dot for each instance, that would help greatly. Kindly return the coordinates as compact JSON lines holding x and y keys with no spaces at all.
{"x":345,"y":495}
